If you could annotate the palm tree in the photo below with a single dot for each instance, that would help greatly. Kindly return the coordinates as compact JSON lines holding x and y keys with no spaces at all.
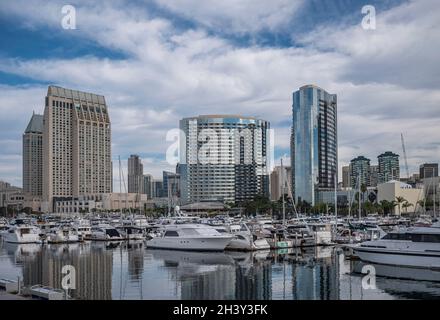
{"x":406,"y":205}
{"x":421,"y":203}
{"x":399,"y":201}
{"x":393,"y":204}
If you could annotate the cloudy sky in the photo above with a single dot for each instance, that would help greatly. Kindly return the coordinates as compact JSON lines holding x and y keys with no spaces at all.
{"x":157,"y":61}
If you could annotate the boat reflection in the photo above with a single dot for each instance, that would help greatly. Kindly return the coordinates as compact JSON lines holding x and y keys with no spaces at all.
{"x":404,"y":282}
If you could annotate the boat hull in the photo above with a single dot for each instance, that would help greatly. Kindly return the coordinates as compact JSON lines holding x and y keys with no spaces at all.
{"x":195,"y":244}
{"x":400,"y":258}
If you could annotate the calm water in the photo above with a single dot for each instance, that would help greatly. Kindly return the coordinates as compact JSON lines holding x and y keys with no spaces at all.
{"x":130,"y":271}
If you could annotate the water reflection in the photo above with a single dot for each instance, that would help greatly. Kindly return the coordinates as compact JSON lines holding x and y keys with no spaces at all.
{"x":121,"y":270}
{"x":405,"y":282}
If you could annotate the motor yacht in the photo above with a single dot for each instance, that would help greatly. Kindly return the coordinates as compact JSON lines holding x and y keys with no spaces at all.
{"x":190,"y":237}
{"x":105,"y":232}
{"x":413,"y":247}
{"x":131,"y":232}
{"x":245,"y":240}
{"x":22,"y":233}
{"x":62,"y":234}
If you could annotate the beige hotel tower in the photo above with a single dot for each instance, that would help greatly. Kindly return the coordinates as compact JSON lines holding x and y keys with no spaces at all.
{"x":76,"y":145}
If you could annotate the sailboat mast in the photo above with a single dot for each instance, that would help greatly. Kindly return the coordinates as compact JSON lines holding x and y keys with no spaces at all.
{"x":359,"y":198}
{"x":336,"y":197}
{"x":282,"y":191}
{"x":120,"y":185}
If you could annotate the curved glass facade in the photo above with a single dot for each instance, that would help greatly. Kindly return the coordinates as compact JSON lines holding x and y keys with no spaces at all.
{"x":314,"y":144}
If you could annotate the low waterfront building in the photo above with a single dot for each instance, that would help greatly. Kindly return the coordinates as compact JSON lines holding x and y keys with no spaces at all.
{"x":11,"y":197}
{"x":391,"y":190}
{"x":100,"y":202}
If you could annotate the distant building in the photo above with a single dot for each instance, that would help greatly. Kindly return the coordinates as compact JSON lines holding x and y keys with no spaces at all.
{"x":392,"y":189}
{"x":224,"y":157}
{"x":360,"y":171}
{"x":432,"y":188}
{"x":171,"y":184}
{"x":314,"y":142}
{"x":158,"y":191}
{"x":328,"y":197}
{"x":135,"y":174}
{"x":100,"y":202}
{"x":428,"y":170}
{"x":76,"y":145}
{"x":374,"y":175}
{"x":11,"y":197}
{"x":33,"y":158}
{"x":148,"y":185}
{"x":389,"y":168}
{"x":346,"y":177}
{"x":276,"y":183}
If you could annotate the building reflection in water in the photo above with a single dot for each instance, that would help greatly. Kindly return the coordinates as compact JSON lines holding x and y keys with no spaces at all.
{"x":130,"y":271}
{"x":93,"y":263}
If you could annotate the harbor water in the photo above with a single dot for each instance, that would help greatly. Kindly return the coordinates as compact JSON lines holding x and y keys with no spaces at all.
{"x":121,"y":270}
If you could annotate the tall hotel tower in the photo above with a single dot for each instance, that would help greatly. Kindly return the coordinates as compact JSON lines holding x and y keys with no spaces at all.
{"x":314,"y":142}
{"x":76,"y":145}
{"x":33,"y":158}
{"x":223,"y":158}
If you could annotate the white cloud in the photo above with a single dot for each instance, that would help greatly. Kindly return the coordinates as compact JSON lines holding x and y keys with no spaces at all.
{"x":230,"y":16}
{"x":170,"y":73}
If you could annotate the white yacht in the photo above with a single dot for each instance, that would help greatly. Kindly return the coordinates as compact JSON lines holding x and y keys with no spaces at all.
{"x":22,"y":234}
{"x":62,"y":234}
{"x":245,"y":240}
{"x":413,"y":247}
{"x":131,"y":232}
{"x":190,"y":237}
{"x":105,"y":232}
{"x":4,"y":227}
{"x":83,"y":229}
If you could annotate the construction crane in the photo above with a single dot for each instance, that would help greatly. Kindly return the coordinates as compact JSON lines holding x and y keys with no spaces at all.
{"x":404,"y":155}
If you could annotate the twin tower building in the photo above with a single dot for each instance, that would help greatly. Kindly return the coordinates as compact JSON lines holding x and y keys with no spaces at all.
{"x":67,"y":151}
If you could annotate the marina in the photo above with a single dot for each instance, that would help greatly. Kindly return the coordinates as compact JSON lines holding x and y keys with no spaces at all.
{"x":190,"y":257}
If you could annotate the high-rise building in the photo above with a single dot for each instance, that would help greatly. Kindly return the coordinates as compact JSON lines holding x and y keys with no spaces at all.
{"x":33,"y":158}
{"x":76,"y":145}
{"x":314,"y":142}
{"x":389,"y":168}
{"x":171,"y":184}
{"x":360,"y":170}
{"x":224,"y":157}
{"x":428,"y":170}
{"x":277,"y":178}
{"x":148,"y":185}
{"x":346,"y":177}
{"x":158,"y":191}
{"x":135,"y":174}
{"x":374,"y":175}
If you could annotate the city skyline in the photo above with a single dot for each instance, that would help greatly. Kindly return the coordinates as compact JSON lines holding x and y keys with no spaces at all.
{"x":173,"y":64}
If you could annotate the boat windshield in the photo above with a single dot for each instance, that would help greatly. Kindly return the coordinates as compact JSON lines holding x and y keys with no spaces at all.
{"x":432,"y":238}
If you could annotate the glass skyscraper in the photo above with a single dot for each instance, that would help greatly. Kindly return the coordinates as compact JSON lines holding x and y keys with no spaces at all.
{"x":224,"y":158}
{"x":314,"y":143}
{"x":389,"y":168}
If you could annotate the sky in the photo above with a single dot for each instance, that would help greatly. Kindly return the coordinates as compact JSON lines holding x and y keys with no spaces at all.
{"x":157,"y":61}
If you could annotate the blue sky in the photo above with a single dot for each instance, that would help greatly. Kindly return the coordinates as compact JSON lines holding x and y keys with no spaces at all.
{"x":157,"y":61}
